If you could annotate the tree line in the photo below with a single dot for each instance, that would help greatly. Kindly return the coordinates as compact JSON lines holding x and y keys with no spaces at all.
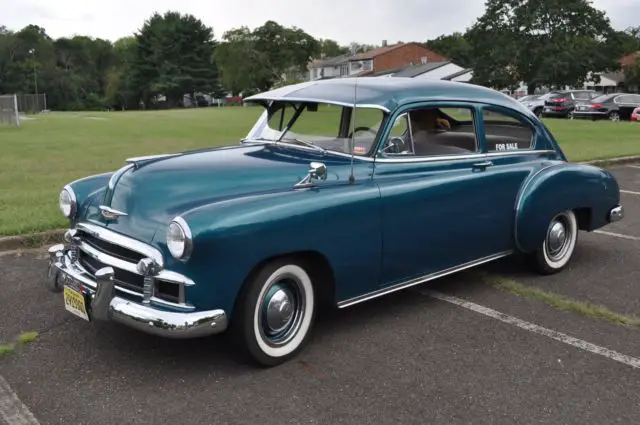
{"x":542,"y":42}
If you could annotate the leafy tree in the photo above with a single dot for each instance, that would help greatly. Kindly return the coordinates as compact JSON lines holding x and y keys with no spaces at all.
{"x":541,"y":42}
{"x":455,"y":47}
{"x":256,"y":60}
{"x":174,"y":57}
{"x":331,"y":48}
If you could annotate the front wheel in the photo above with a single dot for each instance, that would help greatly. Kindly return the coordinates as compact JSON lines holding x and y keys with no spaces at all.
{"x":558,"y":245}
{"x":275,"y":313}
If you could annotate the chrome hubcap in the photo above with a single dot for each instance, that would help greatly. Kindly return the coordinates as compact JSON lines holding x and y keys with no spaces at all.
{"x":282,"y":310}
{"x":558,"y":238}
{"x":279,"y":310}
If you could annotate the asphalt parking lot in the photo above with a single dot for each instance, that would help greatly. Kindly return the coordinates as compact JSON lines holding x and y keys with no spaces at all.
{"x":424,"y":355}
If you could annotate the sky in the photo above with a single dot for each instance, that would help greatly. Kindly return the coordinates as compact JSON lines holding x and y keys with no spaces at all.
{"x":362,"y":21}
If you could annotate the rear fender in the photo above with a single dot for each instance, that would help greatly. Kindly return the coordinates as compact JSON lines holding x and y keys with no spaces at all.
{"x":559,"y":187}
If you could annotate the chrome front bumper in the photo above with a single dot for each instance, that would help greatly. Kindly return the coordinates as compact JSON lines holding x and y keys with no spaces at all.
{"x":104,"y":304}
{"x":616,"y":214}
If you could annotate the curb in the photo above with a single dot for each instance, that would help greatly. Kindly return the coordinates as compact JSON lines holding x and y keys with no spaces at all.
{"x":614,"y":161}
{"x":36,"y":240}
{"x":33,"y":240}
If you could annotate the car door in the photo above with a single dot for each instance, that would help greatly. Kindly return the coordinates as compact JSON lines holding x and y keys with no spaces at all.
{"x":439,"y":207}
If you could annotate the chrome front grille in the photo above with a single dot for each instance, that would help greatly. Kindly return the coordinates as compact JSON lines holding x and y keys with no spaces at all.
{"x":109,"y":248}
{"x":100,"y":247}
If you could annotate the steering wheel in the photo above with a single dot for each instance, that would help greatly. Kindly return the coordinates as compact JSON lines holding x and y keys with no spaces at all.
{"x":395,"y":145}
{"x":370,"y":130}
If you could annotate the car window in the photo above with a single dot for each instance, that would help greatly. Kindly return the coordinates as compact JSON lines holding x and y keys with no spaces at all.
{"x":583,"y":95}
{"x":505,"y":132}
{"x":603,"y":98}
{"x":322,"y":125}
{"x":433,"y":131}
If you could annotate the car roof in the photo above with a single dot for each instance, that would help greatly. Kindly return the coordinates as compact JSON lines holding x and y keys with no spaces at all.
{"x":385,"y":93}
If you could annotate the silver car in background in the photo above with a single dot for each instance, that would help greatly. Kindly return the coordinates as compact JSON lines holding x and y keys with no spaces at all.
{"x":535,"y":102}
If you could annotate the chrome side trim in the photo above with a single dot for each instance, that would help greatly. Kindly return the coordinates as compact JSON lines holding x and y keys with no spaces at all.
{"x":125,"y":241}
{"x":133,"y":268}
{"x":476,"y":155}
{"x":422,"y":279}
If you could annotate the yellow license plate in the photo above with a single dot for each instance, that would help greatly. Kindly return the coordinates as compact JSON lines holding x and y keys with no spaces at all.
{"x":74,"y":302}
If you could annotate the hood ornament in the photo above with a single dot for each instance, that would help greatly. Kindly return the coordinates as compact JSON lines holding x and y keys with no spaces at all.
{"x":110,"y":213}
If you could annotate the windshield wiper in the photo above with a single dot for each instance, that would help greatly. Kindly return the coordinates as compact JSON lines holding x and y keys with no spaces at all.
{"x":308,"y":144}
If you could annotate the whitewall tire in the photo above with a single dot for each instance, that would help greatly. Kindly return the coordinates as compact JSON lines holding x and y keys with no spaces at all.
{"x":276,"y":312}
{"x":558,"y":245}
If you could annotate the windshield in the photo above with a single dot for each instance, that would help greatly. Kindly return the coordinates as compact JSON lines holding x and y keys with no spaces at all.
{"x":321,"y":125}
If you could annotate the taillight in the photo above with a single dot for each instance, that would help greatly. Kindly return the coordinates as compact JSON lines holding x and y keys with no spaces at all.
{"x":561,"y":100}
{"x":596,"y":105}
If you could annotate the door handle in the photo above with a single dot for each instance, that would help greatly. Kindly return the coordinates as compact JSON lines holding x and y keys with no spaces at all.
{"x":483,"y":164}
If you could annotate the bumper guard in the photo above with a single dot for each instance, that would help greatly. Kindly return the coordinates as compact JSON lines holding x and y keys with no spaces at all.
{"x":103,"y":304}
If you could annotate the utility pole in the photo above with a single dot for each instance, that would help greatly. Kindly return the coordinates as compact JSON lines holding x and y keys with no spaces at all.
{"x":35,"y":77}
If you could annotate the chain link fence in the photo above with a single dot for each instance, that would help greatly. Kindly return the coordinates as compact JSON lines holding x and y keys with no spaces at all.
{"x":9,"y":110}
{"x":32,"y":103}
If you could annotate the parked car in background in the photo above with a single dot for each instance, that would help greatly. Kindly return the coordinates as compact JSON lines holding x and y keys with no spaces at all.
{"x":635,"y":115}
{"x":535,"y":102}
{"x":614,"y":107}
{"x":561,"y":104}
{"x":344,"y":190}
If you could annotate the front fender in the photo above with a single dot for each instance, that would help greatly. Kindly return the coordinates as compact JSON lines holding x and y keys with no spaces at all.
{"x":86,"y":189}
{"x":558,"y":187}
{"x":339,"y":222}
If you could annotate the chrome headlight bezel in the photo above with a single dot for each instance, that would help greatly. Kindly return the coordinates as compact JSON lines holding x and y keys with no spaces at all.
{"x":68,"y":203}
{"x":179,"y":239}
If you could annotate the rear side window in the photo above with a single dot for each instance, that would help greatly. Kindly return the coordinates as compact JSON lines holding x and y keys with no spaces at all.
{"x":505,"y":132}
{"x":583,"y":95}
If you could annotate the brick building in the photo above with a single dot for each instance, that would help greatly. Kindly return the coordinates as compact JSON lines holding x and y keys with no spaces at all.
{"x":383,"y":59}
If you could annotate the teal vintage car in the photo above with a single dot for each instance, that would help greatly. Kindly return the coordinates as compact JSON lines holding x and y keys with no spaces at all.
{"x":343,"y":191}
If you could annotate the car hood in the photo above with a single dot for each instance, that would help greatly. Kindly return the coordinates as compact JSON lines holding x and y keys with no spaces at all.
{"x":153,"y":193}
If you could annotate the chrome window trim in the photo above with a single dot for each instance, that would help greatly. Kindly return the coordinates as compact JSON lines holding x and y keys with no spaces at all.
{"x":318,"y":100}
{"x":478,"y":155}
{"x":124,"y":241}
{"x":419,"y":280}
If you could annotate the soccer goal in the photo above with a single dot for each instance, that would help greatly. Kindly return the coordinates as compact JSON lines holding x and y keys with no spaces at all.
{"x":9,"y":109}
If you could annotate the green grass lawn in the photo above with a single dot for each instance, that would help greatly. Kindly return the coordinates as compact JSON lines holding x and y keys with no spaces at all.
{"x":49,"y":150}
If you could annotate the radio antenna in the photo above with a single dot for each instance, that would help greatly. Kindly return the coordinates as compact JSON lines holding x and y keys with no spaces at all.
{"x":352,"y":178}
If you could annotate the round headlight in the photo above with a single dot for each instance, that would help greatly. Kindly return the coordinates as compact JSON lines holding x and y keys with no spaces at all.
{"x":179,"y":239}
{"x":67,"y":202}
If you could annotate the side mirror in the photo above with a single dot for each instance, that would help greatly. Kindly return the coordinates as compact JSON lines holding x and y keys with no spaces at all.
{"x":317,"y":171}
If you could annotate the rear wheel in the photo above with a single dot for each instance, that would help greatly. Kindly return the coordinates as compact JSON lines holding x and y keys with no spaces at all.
{"x":614,"y":116}
{"x":558,"y":245}
{"x":275,"y":312}
{"x":538,"y":112}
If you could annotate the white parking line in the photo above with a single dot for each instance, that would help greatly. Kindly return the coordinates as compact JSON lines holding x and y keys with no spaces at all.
{"x":617,"y":235}
{"x":630,"y":192}
{"x":558,"y":336}
{"x":12,"y":410}
{"x":634,"y":166}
